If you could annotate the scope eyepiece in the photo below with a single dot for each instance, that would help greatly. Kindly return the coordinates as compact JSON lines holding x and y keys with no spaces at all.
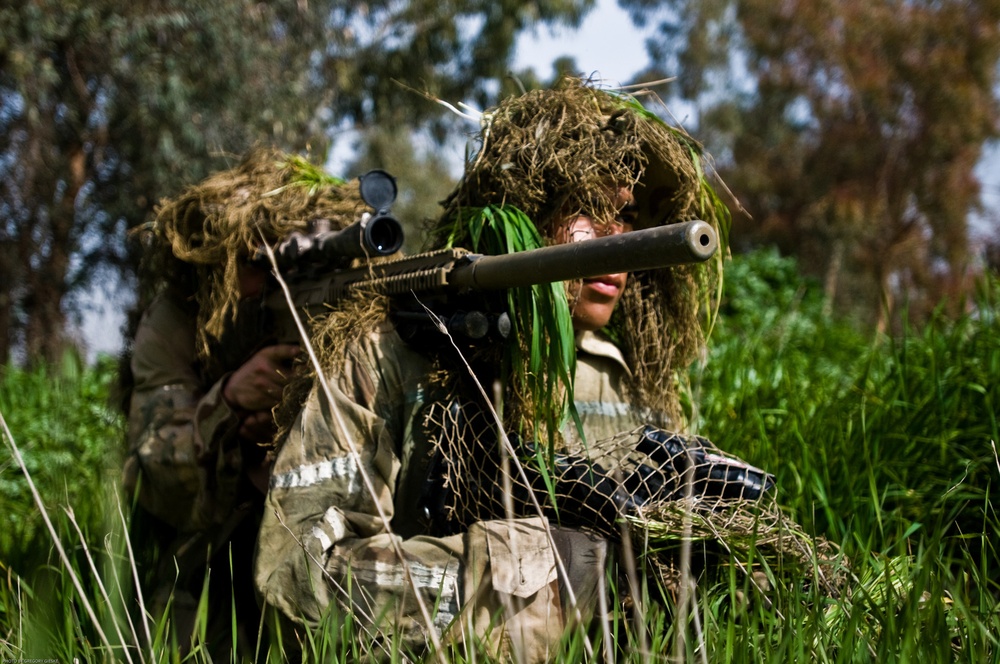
{"x":383,"y":235}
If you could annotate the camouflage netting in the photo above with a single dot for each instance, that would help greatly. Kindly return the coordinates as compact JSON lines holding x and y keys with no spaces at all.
{"x":663,"y":487}
{"x":215,"y":225}
{"x":753,"y":535}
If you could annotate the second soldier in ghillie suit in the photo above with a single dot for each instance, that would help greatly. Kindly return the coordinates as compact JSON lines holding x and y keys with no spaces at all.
{"x":201,"y":382}
{"x":391,"y":507}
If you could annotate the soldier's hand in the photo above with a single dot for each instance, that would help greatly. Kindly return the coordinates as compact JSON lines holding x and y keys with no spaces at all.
{"x":713,"y":475}
{"x":588,"y":495}
{"x":258,"y":383}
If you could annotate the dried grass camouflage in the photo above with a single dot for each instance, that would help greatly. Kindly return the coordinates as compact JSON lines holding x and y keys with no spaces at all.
{"x":222,"y":220}
{"x":553,"y":154}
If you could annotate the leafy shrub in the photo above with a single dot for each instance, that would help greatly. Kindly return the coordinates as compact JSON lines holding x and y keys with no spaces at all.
{"x":71,"y":441}
{"x":775,"y":360}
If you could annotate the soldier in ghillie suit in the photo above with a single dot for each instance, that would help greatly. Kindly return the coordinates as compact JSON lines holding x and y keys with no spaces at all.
{"x":390,"y":499}
{"x":200,"y":395}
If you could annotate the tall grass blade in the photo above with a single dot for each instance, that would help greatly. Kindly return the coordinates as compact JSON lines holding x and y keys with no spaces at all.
{"x":145,"y":616}
{"x":100,"y":583}
{"x":52,"y":531}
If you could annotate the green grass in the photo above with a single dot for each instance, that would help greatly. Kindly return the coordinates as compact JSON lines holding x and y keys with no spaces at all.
{"x":884,"y":446}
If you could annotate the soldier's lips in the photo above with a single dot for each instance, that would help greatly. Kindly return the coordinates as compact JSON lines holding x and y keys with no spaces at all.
{"x":610,"y":285}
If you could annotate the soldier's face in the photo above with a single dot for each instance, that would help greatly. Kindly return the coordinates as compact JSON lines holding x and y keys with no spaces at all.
{"x":594,"y":300}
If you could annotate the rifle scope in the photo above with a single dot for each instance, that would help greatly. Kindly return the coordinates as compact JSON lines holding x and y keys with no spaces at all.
{"x":372,"y":235}
{"x":378,"y":234}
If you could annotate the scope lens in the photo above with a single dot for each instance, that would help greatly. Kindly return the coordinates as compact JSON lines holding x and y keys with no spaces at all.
{"x":384,"y":234}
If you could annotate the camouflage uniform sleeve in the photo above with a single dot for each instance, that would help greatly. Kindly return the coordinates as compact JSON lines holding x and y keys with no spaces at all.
{"x":184,"y":458}
{"x":323,"y":545}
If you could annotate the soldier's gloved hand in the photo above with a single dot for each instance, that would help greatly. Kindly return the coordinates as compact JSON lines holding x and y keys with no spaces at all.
{"x":257,"y":384}
{"x":585,"y":493}
{"x":714,"y":475}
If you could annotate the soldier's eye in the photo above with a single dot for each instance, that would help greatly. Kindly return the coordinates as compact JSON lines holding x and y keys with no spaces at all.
{"x":628,"y":215}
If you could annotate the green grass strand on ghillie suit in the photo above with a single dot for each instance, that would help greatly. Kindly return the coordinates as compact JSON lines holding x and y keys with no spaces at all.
{"x":540,"y":319}
{"x":216,"y":224}
{"x":550,"y":155}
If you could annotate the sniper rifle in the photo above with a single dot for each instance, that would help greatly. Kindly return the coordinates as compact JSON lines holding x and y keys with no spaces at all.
{"x":316,"y":267}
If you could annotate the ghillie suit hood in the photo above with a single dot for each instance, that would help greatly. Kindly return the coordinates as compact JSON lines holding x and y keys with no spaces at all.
{"x":193,"y":247}
{"x":198,"y":239}
{"x":550,"y":155}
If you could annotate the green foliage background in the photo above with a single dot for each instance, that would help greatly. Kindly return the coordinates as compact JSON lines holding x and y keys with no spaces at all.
{"x":876,"y":436}
{"x":71,"y":440}
{"x":851,"y":132}
{"x":883,"y":445}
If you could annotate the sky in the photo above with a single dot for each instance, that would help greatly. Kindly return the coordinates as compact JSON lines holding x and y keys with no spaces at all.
{"x":606,"y":45}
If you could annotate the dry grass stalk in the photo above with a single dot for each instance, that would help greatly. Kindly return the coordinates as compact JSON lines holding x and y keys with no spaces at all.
{"x":100,"y":585}
{"x":135,"y":579}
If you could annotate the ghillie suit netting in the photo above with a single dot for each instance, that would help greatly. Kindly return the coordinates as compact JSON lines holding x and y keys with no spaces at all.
{"x":542,"y":158}
{"x":663,"y":488}
{"x":198,"y":240}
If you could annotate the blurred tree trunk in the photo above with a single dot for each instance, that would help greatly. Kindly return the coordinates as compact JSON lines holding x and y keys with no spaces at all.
{"x":7,"y":281}
{"x":832,"y":274}
{"x":45,"y":338}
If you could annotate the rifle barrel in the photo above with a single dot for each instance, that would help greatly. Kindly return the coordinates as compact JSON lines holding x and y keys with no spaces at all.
{"x":662,"y":246}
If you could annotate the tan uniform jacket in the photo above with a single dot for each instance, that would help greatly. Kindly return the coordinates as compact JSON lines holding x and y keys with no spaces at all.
{"x":182,"y":435}
{"x":324,"y":542}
